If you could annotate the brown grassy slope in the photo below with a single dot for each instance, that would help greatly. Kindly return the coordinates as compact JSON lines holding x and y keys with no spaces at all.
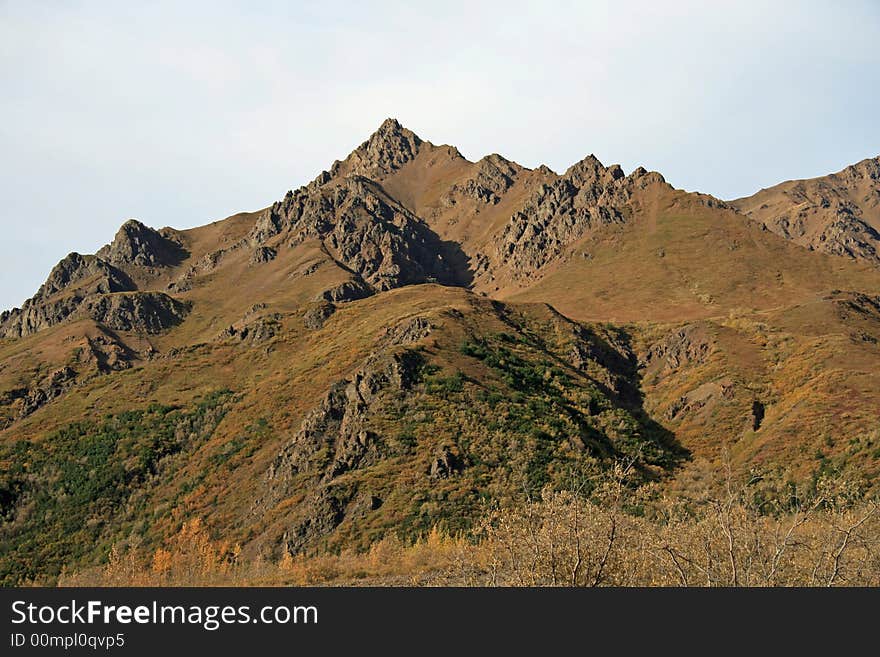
{"x":398,"y":473}
{"x":814,"y":373}
{"x":678,"y":259}
{"x":225,"y":290}
{"x":529,"y":419}
{"x":430,"y":186}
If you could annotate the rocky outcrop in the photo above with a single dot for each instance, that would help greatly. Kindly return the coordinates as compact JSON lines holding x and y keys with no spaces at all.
{"x":446,"y":463}
{"x":271,"y":222}
{"x":588,"y":196}
{"x":140,"y":245}
{"x":263,"y":254}
{"x":147,"y":312}
{"x":842,"y":233}
{"x":348,"y":291}
{"x":702,"y":399}
{"x":858,"y":304}
{"x":101,"y":353}
{"x":333,"y":439}
{"x":317,"y":314}
{"x":34,"y":317}
{"x":254,"y":330}
{"x":340,"y":416}
{"x":685,"y":347}
{"x":859,"y":312}
{"x":212,"y":261}
{"x":23,"y":401}
{"x":847,"y":235}
{"x":52,"y":386}
{"x":105,"y":354}
{"x":364,"y":230}
{"x":89,"y":285}
{"x":72,"y":280}
{"x":406,"y":332}
{"x":89,"y":273}
{"x":607,"y":359}
{"x":494,"y":175}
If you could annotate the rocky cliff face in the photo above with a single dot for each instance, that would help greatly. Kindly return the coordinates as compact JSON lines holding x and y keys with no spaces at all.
{"x":388,"y":245}
{"x":75,"y":269}
{"x":43,"y":391}
{"x":363,"y":229}
{"x":845,"y":235}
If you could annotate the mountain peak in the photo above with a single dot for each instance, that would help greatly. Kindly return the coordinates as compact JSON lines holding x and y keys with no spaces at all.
{"x":590,"y":170}
{"x":386,"y":150}
{"x":137,"y":244}
{"x":392,"y":139}
{"x":390,"y":125}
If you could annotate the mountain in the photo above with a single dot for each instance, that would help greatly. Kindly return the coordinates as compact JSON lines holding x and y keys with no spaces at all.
{"x":838,"y":213}
{"x":412,"y":334}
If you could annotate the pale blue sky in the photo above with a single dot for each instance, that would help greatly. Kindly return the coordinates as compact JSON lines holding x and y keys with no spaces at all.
{"x":180,"y":116}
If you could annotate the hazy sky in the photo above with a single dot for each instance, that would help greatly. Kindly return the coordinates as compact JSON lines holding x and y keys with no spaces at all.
{"x":179,"y":116}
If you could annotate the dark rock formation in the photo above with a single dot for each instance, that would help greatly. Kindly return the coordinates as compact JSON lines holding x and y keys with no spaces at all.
{"x":52,"y":386}
{"x":317,"y":314}
{"x":860,"y":312}
{"x":75,"y":269}
{"x":263,"y":254}
{"x":363,"y":229}
{"x":348,"y":291}
{"x":105,"y":353}
{"x":444,"y":464}
{"x":72,"y":280}
{"x":33,"y":317}
{"x":137,"y":244}
{"x":757,"y":415}
{"x":494,"y":176}
{"x":562,"y":211}
{"x":255,"y":330}
{"x":689,"y":345}
{"x":148,"y":312}
{"x":607,"y":359}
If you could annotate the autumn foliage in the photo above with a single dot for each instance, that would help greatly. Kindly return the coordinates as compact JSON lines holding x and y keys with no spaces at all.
{"x":616,"y":536}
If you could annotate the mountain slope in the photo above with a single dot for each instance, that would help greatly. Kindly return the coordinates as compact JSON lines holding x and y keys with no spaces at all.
{"x":838,"y":213}
{"x":410,"y":335}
